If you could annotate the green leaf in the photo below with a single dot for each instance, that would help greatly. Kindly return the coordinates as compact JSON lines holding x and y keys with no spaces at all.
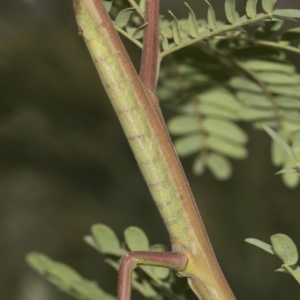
{"x":175,"y":29}
{"x":66,"y":278}
{"x":290,"y":180}
{"x":279,"y":78}
{"x":136,"y":239}
{"x":280,"y":141}
{"x":139,"y":32}
{"x":38,"y":261}
{"x":260,"y":244}
{"x":293,"y":270}
{"x":188,"y":145}
{"x":62,"y":275}
{"x":142,"y":5}
{"x":123,"y":17}
{"x":225,"y":129}
{"x":230,"y":11}
{"x":107,"y":5}
{"x":285,"y":248}
{"x":159,"y":248}
{"x":211,"y":17}
{"x":263,"y":65}
{"x":183,"y":124}
{"x":165,"y":42}
{"x":290,"y":35}
{"x":106,"y":239}
{"x":251,"y":8}
{"x":193,"y":24}
{"x":198,"y":165}
{"x":290,"y":13}
{"x":161,"y":273}
{"x":254,"y":99}
{"x":218,"y":111}
{"x":296,"y":145}
{"x":219,"y":166}
{"x":268,"y":5}
{"x":253,"y":114}
{"x":244,"y":84}
{"x":220,"y":97}
{"x":286,"y":102}
{"x":91,"y":241}
{"x":232,"y":150}
{"x":292,"y":91}
{"x":277,"y":154}
{"x":287,"y":171}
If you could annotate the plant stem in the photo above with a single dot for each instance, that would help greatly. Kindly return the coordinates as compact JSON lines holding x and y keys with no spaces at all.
{"x":129,"y":262}
{"x":149,"y":62}
{"x":135,"y":5}
{"x":153,"y":150}
{"x":129,"y":37}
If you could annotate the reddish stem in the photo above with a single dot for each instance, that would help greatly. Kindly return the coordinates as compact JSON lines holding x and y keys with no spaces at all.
{"x":129,"y":262}
{"x":149,"y":62}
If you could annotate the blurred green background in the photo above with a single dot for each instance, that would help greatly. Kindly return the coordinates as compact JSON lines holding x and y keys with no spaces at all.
{"x":65,"y":165}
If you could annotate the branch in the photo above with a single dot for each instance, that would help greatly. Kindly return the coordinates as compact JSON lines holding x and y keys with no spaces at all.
{"x":149,"y":63}
{"x":153,"y":150}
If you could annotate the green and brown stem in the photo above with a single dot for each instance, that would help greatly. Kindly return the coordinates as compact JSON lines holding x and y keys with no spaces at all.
{"x":153,"y":150}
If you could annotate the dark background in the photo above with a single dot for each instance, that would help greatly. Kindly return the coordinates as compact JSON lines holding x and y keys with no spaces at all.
{"x":65,"y":165}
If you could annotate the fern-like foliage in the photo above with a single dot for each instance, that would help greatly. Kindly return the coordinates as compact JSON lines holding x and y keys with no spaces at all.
{"x":233,"y":71}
